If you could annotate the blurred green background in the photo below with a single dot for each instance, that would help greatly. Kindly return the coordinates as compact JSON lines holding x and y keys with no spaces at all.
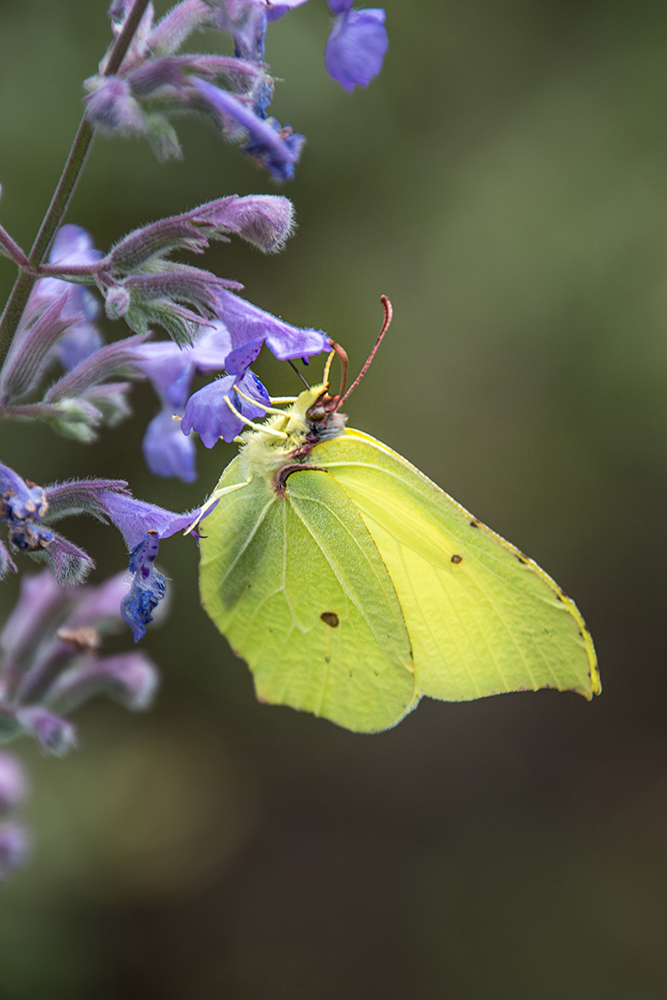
{"x":505,"y":182}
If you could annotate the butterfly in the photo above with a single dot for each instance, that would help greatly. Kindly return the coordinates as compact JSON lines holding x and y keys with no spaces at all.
{"x":353,"y":585}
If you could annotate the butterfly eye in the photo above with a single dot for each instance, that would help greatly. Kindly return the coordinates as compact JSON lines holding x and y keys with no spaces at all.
{"x":316,"y":413}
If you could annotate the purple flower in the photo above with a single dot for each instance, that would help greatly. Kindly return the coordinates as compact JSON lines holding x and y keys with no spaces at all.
{"x":231,"y":345}
{"x":247,"y":323}
{"x":167,"y":451}
{"x":143,"y":525}
{"x":264,"y":220}
{"x":209,"y":414}
{"x":271,"y":145}
{"x":148,"y":586}
{"x":356,"y":46}
{"x":154,"y":83}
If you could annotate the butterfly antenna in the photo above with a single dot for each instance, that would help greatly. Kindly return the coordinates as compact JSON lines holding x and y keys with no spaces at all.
{"x":289,"y":360}
{"x":342,"y":355}
{"x":388,"y":313}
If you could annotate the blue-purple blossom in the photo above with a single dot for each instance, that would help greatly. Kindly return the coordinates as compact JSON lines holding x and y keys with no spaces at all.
{"x":153,"y":83}
{"x":58,"y":323}
{"x":167,"y":452}
{"x":143,"y":525}
{"x":356,"y":46}
{"x":268,"y":143}
{"x":148,"y":586}
{"x":247,"y":322}
{"x":231,"y":346}
{"x":209,"y":414}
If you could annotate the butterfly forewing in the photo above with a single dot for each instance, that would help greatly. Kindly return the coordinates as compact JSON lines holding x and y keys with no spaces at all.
{"x":297,"y":585}
{"x":482,"y":617}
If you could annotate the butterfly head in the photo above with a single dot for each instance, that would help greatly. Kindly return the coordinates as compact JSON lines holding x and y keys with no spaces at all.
{"x":315,"y":411}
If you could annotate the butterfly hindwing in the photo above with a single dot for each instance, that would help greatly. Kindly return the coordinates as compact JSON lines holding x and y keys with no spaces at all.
{"x":482,"y":617}
{"x":297,"y":585}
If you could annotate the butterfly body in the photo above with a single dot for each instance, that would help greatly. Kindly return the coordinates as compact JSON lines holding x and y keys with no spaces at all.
{"x":353,"y":585}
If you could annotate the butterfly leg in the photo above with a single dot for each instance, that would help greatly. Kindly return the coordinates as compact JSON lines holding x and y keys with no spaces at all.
{"x":212,"y":501}
{"x":280,"y":478}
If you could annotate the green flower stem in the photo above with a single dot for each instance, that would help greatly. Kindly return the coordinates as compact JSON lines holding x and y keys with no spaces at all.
{"x":62,"y":196}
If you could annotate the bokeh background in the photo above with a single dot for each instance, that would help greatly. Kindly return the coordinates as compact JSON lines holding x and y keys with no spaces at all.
{"x":505,"y":182}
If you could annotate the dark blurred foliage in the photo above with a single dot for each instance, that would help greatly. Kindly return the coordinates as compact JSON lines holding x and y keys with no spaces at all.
{"x":505,"y":182}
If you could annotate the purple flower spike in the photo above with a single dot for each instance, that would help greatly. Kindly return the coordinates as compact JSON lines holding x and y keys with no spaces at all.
{"x":208,"y":413}
{"x":356,"y":46}
{"x":13,"y":784}
{"x":14,"y":848}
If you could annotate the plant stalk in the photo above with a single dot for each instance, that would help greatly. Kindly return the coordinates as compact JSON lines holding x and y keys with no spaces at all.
{"x":62,"y":196}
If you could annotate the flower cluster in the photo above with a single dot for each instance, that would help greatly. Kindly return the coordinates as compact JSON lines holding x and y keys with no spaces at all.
{"x":217,"y":329}
{"x":232,"y":92}
{"x":50,"y":660}
{"x":28,"y":511}
{"x":155,"y":83}
{"x":14,"y":841}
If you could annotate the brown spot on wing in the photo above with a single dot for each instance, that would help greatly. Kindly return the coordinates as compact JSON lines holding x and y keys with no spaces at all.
{"x":330,"y":618}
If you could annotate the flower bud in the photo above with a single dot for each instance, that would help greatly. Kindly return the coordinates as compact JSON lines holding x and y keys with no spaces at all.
{"x":117,"y":302}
